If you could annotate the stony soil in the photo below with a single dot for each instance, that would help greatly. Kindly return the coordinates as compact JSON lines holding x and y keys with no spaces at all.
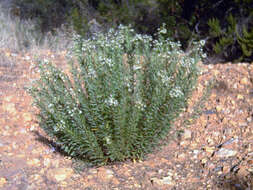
{"x":214,"y":152}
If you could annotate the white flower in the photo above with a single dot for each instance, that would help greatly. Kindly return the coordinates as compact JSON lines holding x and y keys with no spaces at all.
{"x":163,"y":31}
{"x":108,"y":140}
{"x":202,"y":42}
{"x":176,"y":92}
{"x":136,"y":67}
{"x":139,"y":104}
{"x":111,"y":101}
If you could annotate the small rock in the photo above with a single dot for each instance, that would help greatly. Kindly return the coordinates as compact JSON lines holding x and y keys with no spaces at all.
{"x":244,"y":81}
{"x":105,"y":174}
{"x":167,"y":180}
{"x":226,"y":168}
{"x":218,"y":108}
{"x":230,"y":143}
{"x":47,"y":162}
{"x":226,"y":153}
{"x":156,"y":180}
{"x":3,"y":181}
{"x":33,"y":162}
{"x":109,"y":173}
{"x":22,"y":130}
{"x":59,"y":174}
{"x":9,"y":107}
{"x":249,"y":119}
{"x":8,"y":98}
{"x":137,"y":185}
{"x":160,"y":171}
{"x":209,"y":149}
{"x":181,"y":156}
{"x":204,"y":161}
{"x":27,"y":117}
{"x":35,"y":178}
{"x":55,"y":163}
{"x":93,"y":171}
{"x":240,"y":97}
{"x":187,"y":134}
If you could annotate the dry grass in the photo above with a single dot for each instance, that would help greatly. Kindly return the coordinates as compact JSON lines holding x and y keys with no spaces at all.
{"x":24,"y":35}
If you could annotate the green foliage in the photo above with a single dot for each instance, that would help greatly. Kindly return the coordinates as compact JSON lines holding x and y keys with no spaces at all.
{"x":48,"y":14}
{"x":79,"y":21}
{"x":123,"y":92}
{"x":246,"y":42}
{"x":230,"y":38}
{"x":215,"y":29}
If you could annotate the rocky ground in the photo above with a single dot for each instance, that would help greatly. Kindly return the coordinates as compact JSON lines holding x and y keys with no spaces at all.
{"x":215,"y":151}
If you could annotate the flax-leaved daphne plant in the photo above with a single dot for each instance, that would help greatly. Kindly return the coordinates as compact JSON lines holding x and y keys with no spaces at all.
{"x":121,"y":96}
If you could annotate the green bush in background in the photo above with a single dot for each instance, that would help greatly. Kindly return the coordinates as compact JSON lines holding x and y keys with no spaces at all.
{"x":233,"y":39}
{"x":124,"y":91}
{"x":219,"y":22}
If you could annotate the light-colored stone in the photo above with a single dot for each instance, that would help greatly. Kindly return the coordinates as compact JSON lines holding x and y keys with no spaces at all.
{"x":9,"y":107}
{"x":8,"y":98}
{"x":47,"y":162}
{"x":182,"y":156}
{"x":33,"y":162}
{"x":219,"y":108}
{"x":36,"y":178}
{"x":160,"y":171}
{"x":187,"y":134}
{"x":210,"y":149}
{"x":244,"y":81}
{"x":240,"y":97}
{"x":109,"y":173}
{"x":27,"y":117}
{"x":3,"y":181}
{"x":167,"y":180}
{"x":156,"y":180}
{"x":226,"y":153}
{"x":59,"y":174}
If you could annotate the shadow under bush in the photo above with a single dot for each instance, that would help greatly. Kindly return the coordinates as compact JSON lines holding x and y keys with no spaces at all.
{"x":122,"y":93}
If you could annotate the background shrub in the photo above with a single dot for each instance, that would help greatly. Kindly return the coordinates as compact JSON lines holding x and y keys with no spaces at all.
{"x":186,"y":21}
{"x":123,"y":92}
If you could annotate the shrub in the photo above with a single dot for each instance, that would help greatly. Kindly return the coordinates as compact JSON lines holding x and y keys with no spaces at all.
{"x":121,"y":95}
{"x":234,"y":43}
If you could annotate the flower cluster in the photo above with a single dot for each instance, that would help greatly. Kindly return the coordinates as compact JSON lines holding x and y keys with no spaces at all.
{"x":176,"y":92}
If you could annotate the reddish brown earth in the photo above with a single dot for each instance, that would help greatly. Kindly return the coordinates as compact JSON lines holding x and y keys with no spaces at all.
{"x":214,"y":152}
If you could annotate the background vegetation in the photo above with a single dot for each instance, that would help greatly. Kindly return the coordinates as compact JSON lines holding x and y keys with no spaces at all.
{"x":227,"y":26}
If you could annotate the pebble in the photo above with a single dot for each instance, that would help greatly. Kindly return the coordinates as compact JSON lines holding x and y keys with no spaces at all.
{"x":33,"y":162}
{"x":249,"y":119}
{"x":219,"y":108}
{"x":27,"y":117}
{"x":181,"y":156}
{"x":167,"y":180}
{"x":109,"y":173}
{"x":160,"y":171}
{"x":240,"y":97}
{"x":9,"y":107}
{"x":59,"y":174}
{"x":226,"y":153}
{"x":3,"y":181}
{"x":105,"y":174}
{"x":187,"y":134}
{"x":244,"y":81}
{"x":46,"y":162}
